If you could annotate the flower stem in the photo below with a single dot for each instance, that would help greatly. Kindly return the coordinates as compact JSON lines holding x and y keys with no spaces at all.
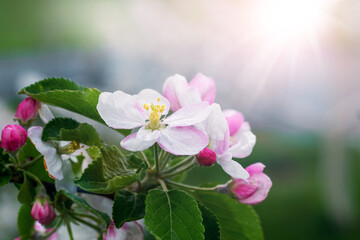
{"x":163,"y":185}
{"x":86,"y":223}
{"x":145,"y":159}
{"x":53,"y":230}
{"x":180,"y":164}
{"x":181,"y":170}
{"x":68,"y":225}
{"x":95,"y":219}
{"x":156,"y":153}
{"x":191,"y":187}
{"x":164,"y":160}
{"x":33,"y":176}
{"x":32,"y":162}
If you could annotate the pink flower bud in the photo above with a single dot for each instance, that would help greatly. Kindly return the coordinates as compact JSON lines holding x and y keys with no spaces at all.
{"x":27,"y":110}
{"x":13,"y":137}
{"x":256,"y":188}
{"x":44,"y":213}
{"x":206,"y":157}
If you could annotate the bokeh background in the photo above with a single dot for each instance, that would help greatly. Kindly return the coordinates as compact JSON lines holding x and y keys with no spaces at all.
{"x":291,"y":66}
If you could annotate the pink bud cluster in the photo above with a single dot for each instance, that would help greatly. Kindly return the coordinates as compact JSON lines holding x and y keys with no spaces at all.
{"x":43,"y":212}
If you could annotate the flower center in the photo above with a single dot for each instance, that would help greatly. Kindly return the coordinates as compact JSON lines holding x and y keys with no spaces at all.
{"x":156,"y":111}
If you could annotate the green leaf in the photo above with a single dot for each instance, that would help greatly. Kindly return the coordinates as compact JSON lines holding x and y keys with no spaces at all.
{"x":82,"y":203}
{"x":210,"y":222}
{"x":128,"y":206}
{"x":27,"y":152}
{"x":4,"y":157}
{"x":27,"y":192}
{"x":173,"y":215}
{"x":36,"y":165}
{"x":109,"y":172}
{"x":25,"y":222}
{"x":67,"y":94}
{"x":236,"y":220}
{"x":5,"y":175}
{"x":67,"y":129}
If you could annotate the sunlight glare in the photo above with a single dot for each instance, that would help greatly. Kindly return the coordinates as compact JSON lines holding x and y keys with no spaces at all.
{"x":291,"y":20}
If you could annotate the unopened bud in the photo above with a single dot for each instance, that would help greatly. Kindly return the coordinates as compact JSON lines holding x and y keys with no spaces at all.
{"x":27,"y":110}
{"x":13,"y":137}
{"x":255,"y":189}
{"x":44,"y":213}
{"x":206,"y":157}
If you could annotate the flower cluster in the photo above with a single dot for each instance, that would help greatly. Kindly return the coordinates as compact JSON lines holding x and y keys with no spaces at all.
{"x":165,"y":135}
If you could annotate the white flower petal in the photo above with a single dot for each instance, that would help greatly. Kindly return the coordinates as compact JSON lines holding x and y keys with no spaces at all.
{"x":45,"y":113}
{"x":140,"y":140}
{"x":34,"y":134}
{"x":54,"y":164}
{"x":188,"y":96}
{"x":120,"y":110}
{"x":182,"y":140}
{"x":244,"y":142}
{"x":189,"y":115}
{"x":217,"y":130}
{"x":67,"y":183}
{"x":172,"y":88}
{"x":149,"y":96}
{"x":231,"y":167}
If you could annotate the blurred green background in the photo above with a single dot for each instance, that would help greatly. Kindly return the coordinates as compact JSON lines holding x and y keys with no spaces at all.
{"x":294,"y":76}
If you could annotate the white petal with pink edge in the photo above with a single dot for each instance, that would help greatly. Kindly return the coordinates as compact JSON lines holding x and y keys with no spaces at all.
{"x":264,"y":183}
{"x":231,"y":167}
{"x":235,"y":120}
{"x":54,"y":164}
{"x":140,"y":140}
{"x":182,"y":140}
{"x":205,"y":86}
{"x":172,"y":88}
{"x":244,"y":142}
{"x":217,"y":130}
{"x":35,"y":134}
{"x":189,"y":115}
{"x":120,"y":110}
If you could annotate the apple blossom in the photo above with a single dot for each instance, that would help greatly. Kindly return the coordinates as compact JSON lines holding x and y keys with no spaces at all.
{"x":148,"y":110}
{"x":43,"y":212}
{"x":256,"y":188}
{"x":218,"y":132}
{"x":13,"y":137}
{"x":180,"y":93}
{"x":54,"y":152}
{"x":128,"y":231}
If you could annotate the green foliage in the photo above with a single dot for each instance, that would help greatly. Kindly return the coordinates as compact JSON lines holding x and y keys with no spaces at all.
{"x":67,"y":94}
{"x":4,"y":157}
{"x":27,"y":192}
{"x":236,"y":220}
{"x":173,"y":215}
{"x":128,"y":206}
{"x":25,"y":222}
{"x":5,"y":174}
{"x":62,"y":195}
{"x":109,"y":172}
{"x":67,"y":129}
{"x":210,"y":222}
{"x":27,"y":152}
